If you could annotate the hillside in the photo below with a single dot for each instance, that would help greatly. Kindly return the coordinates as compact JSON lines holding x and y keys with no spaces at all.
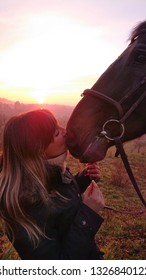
{"x":9,"y":108}
{"x":123,"y":233}
{"x":6,"y":101}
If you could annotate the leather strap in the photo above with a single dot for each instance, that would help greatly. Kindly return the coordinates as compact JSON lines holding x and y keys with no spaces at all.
{"x":128,"y":169}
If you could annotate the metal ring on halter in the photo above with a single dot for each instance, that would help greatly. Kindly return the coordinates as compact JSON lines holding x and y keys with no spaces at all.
{"x":104,"y":133}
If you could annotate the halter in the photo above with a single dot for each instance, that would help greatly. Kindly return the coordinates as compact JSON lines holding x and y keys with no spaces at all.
{"x":122,"y":118}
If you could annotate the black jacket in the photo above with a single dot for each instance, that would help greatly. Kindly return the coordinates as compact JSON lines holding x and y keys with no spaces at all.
{"x":69,"y":224}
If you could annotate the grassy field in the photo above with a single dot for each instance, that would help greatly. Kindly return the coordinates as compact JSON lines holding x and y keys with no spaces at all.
{"x":123,"y":234}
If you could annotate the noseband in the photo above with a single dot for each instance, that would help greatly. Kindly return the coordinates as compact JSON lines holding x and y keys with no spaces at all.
{"x":120,"y":121}
{"x":118,"y":105}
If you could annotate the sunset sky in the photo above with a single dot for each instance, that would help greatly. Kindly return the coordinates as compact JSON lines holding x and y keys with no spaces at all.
{"x":51,"y":50}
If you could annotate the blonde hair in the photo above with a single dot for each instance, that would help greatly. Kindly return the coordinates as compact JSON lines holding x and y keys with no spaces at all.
{"x":25,"y":138}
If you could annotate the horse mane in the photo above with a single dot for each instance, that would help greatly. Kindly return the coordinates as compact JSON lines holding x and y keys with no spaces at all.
{"x":137,"y":31}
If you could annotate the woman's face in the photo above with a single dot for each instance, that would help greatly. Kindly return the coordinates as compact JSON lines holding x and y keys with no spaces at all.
{"x":58,"y":146}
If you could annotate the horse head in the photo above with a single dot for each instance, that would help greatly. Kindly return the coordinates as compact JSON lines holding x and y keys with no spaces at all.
{"x":114,"y":107}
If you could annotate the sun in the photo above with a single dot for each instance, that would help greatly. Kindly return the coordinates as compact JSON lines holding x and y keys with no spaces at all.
{"x":40,"y":99}
{"x":39,"y":95}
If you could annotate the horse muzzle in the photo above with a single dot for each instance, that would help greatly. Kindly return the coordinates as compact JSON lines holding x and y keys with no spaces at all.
{"x":96,"y":150}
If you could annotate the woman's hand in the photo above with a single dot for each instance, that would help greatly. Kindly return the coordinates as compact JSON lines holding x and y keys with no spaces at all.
{"x":93,"y":171}
{"x":93,"y":197}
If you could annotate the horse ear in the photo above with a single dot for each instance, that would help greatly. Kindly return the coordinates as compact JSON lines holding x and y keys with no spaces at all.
{"x":137,"y":31}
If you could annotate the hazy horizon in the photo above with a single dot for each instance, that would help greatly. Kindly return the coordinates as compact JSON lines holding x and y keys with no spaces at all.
{"x":60,"y":94}
{"x":8,"y":101}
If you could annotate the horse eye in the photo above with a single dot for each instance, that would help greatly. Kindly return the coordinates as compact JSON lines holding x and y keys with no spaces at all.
{"x":133,"y":39}
{"x":141,"y":58}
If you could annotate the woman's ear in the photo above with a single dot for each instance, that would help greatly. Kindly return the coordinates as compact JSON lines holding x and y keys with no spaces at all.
{"x":43,"y":155}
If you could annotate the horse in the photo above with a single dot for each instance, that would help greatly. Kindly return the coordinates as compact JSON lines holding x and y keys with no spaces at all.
{"x":114,"y":109}
{"x":103,"y":106}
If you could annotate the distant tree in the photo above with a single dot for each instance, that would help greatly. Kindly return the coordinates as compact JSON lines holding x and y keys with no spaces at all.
{"x":17,"y":106}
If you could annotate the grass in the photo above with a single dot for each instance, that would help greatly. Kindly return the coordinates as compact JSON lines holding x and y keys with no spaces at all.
{"x":122,"y":235}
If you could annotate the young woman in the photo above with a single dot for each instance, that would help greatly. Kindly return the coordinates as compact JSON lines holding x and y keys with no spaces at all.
{"x":48,"y":213}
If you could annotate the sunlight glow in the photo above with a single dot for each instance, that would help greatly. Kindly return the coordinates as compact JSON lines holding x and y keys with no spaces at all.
{"x":39,"y":94}
{"x":55,"y":51}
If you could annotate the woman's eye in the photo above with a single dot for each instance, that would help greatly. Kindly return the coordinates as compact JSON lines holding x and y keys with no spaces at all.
{"x":56,"y":132}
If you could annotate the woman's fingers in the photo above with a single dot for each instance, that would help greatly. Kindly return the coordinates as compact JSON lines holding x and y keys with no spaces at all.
{"x":93,"y":197}
{"x":93,"y":170}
